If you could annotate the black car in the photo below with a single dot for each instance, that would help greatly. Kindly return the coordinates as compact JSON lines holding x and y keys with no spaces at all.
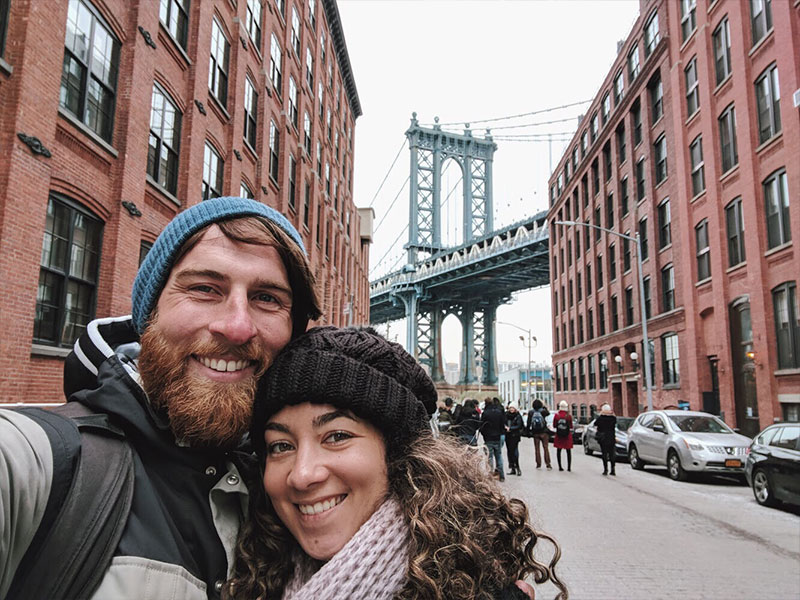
{"x":591,"y":445}
{"x":773,"y":465}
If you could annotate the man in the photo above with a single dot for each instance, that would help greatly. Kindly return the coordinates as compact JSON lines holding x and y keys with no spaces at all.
{"x":225,"y":286}
{"x":493,"y":429}
{"x":537,"y":427}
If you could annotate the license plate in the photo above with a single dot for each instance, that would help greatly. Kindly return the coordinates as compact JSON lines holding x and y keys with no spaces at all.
{"x":733,"y":462}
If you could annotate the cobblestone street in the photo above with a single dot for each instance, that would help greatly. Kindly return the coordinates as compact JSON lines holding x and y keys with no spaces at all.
{"x":642,"y":535}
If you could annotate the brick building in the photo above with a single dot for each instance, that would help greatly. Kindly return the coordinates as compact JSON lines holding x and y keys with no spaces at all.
{"x":116,"y":115}
{"x":692,"y":142}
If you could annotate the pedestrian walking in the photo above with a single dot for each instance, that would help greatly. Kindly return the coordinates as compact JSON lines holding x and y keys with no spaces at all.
{"x":515,"y":426}
{"x":537,"y":429}
{"x":493,"y":428}
{"x":562,"y":422}
{"x":468,"y":423}
{"x":606,"y":425}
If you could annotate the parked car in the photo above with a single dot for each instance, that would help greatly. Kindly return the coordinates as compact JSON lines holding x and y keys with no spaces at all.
{"x":773,"y":465}
{"x":591,"y":445}
{"x":577,"y":429}
{"x":686,"y":441}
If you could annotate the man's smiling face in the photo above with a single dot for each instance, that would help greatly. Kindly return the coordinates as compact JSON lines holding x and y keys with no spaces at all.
{"x":222,"y":317}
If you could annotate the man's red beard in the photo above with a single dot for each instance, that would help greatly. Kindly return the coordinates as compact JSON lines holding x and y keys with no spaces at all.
{"x":201,"y":412}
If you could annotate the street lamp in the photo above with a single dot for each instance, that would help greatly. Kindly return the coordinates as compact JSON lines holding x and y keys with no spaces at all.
{"x":528,"y":374}
{"x":648,"y":380}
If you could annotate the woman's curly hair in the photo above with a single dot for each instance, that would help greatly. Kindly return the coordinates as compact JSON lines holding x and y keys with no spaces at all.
{"x":467,"y":540}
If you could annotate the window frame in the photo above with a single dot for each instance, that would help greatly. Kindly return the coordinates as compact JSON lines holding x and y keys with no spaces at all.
{"x":176,"y":23}
{"x":253,"y":15}
{"x":761,"y":21}
{"x":274,"y":151}
{"x":702,"y":250}
{"x":692,"y":82}
{"x":698,"y":166}
{"x":670,"y":359}
{"x":729,"y":152}
{"x":735,"y":228}
{"x":652,"y":35}
{"x":250,"y":106}
{"x":667,"y":288}
{"x":768,"y":99}
{"x":721,"y":44}
{"x":165,"y":177}
{"x":211,"y":155}
{"x":787,"y":330}
{"x":777,"y":184}
{"x":660,"y":156}
{"x":218,"y":66}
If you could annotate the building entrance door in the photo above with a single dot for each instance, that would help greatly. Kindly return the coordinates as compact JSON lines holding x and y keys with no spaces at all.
{"x":744,"y":368}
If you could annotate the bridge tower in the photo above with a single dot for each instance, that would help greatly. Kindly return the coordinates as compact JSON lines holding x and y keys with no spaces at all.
{"x":430,"y":148}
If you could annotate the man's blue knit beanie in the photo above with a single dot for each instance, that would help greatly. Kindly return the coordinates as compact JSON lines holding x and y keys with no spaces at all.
{"x":155,"y":268}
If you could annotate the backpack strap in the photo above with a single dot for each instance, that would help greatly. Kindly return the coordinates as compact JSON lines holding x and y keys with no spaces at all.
{"x":73,"y":546}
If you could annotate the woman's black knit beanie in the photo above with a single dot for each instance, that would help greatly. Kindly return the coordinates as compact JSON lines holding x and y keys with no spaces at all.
{"x":352,"y":368}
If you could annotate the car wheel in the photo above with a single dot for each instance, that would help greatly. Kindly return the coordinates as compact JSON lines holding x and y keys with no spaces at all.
{"x":762,"y":489}
{"x":634,"y":460}
{"x":674,"y":467}
{"x":586,"y":449}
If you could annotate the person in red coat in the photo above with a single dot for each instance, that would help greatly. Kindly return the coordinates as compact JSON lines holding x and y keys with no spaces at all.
{"x":562,"y":423}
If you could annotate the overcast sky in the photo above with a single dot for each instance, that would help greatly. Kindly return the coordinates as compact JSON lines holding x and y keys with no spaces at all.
{"x":468,"y":61}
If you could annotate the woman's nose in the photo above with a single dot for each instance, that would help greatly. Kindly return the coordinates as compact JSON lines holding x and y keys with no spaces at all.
{"x":308,"y":469}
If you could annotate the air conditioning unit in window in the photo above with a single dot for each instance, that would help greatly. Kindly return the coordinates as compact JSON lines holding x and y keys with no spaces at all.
{"x":796,"y":98}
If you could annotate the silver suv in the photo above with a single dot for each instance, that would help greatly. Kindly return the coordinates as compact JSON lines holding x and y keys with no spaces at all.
{"x":686,"y":441}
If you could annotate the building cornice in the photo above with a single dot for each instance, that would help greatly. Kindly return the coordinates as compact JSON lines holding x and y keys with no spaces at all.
{"x":340,"y":47}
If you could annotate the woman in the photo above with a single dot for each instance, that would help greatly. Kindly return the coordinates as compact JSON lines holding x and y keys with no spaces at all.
{"x":468,"y":423}
{"x":606,"y":425}
{"x":515,"y":426}
{"x":363,"y":501}
{"x":562,"y":423}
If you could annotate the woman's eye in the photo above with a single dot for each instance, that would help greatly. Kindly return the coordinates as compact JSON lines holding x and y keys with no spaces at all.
{"x":279,"y":447}
{"x":338,"y":436}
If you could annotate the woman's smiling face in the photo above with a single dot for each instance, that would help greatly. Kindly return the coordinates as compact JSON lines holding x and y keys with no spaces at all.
{"x":325,"y":474}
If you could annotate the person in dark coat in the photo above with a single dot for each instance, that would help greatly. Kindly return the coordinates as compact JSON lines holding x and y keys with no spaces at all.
{"x":563,"y":437}
{"x":468,"y":423}
{"x":606,"y":425}
{"x":493,"y":429}
{"x":515,"y":426}
{"x":540,"y":435}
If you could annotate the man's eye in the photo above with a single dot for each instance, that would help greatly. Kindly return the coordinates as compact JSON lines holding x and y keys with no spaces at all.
{"x":265,"y":297}
{"x":279,"y":447}
{"x":203,"y":289}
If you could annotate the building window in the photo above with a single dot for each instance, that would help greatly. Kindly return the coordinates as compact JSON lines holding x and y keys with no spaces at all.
{"x":292,"y":105}
{"x":292,"y":183}
{"x":174,"y":16}
{"x":760,"y":19}
{"x":592,"y":373}
{"x":212,"y":173}
{"x":636,"y":117}
{"x":647,"y":296}
{"x":619,"y":87}
{"x":776,"y":199}
{"x":581,"y":374}
{"x":640,"y":179}
{"x":295,"y":37}
{"x":307,"y":133}
{"x":688,"y":23}
{"x":670,"y":362}
{"x":312,"y":13}
{"x":698,"y":173}
{"x":664,"y":225}
{"x":601,"y":319}
{"x":603,"y":361}
{"x":275,"y":64}
{"x":588,"y":276}
{"x":614,"y":314}
{"x":656,"y":90}
{"x":65,"y":301}
{"x":245,"y":191}
{"x":250,"y":112}
{"x":593,"y":128}
{"x":621,"y":143}
{"x":572,"y":374}
{"x":703,"y":254}
{"x":607,"y":166}
{"x":722,"y":50}
{"x":590,"y":324}
{"x":610,"y":211}
{"x":633,"y":63}
{"x":218,"y":67}
{"x":309,"y":70}
{"x":667,"y":288}
{"x":660,"y":153}
{"x":144,"y":248}
{"x":164,"y":144}
{"x":727,"y":139}
{"x":735,"y":227}
{"x":626,"y":253}
{"x":612,"y":262}
{"x":623,"y":197}
{"x":595,"y":176}
{"x":651,"y":34}
{"x":628,"y":306}
{"x":768,"y":102}
{"x":787,"y":325}
{"x":253,"y":22}
{"x":281,"y":6}
{"x":599,"y":272}
{"x":692,"y":88}
{"x":643,"y":238}
{"x":598,"y":232}
{"x":274,"y":148}
{"x":605,"y":110}
{"x":89,"y":71}
{"x":327,"y":178}
{"x":580,"y":329}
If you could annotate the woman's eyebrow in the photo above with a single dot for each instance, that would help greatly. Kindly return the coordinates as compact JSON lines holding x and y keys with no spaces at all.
{"x":324,"y":419}
{"x":272,"y":426}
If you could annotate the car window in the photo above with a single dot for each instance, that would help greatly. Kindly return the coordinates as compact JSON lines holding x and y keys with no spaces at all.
{"x":787,"y":438}
{"x":624,"y":423}
{"x":646,"y":420}
{"x":766,"y":436}
{"x":699,"y":424}
{"x":657,"y":421}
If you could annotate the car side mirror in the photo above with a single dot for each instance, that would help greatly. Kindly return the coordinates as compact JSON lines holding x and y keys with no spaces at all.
{"x":659,"y":428}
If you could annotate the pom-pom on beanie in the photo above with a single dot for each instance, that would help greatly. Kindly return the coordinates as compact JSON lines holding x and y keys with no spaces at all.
{"x":351,"y":368}
{"x":155,"y":268}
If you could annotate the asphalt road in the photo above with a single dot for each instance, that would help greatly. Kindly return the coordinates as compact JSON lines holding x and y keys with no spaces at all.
{"x":640,"y":535}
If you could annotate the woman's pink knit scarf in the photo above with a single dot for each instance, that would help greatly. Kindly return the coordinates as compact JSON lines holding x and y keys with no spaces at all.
{"x":373,"y":564}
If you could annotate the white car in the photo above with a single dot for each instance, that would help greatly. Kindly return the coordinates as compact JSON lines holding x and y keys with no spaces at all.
{"x":686,"y":441}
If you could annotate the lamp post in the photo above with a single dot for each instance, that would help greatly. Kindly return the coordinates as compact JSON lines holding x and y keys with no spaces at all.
{"x":648,"y":379}
{"x":528,"y":374}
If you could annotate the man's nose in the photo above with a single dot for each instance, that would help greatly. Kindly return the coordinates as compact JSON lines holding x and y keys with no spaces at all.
{"x":308,"y":469}
{"x":234,"y":320}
